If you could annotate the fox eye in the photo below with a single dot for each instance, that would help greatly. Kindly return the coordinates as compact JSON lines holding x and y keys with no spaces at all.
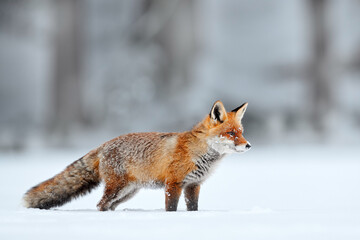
{"x":231,"y":133}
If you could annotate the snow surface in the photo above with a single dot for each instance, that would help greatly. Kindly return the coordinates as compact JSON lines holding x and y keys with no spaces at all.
{"x":267,"y":193}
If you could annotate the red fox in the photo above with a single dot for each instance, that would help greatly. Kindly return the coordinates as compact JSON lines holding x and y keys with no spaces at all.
{"x":173,"y":161}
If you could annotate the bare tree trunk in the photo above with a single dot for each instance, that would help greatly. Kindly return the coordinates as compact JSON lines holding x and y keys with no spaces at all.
{"x":172,"y":26}
{"x":67,"y":66}
{"x":178,"y":39}
{"x":320,"y":68}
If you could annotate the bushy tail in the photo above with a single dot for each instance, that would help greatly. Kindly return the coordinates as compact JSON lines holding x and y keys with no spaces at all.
{"x":77,"y":179}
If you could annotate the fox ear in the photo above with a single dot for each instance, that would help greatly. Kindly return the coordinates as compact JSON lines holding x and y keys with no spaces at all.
{"x":240,"y":111}
{"x":218,"y":112}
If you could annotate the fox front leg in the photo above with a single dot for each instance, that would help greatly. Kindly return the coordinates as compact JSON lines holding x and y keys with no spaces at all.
{"x":192,"y":196}
{"x":172,"y":195}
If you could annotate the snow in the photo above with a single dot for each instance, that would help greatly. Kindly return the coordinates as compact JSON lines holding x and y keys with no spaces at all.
{"x":303,"y":192}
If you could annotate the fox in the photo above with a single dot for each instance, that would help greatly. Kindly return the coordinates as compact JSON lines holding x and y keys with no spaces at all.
{"x":176,"y":161}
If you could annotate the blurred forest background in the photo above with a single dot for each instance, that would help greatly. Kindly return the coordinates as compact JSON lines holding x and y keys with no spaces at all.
{"x":75,"y":73}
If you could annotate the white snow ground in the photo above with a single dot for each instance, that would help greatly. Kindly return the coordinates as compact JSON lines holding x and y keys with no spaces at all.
{"x":267,"y":193}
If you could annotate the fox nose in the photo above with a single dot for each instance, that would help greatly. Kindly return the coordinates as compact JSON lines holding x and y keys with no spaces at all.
{"x":248,"y":146}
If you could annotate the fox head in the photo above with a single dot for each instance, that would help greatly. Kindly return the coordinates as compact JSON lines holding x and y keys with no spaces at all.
{"x":224,"y":129}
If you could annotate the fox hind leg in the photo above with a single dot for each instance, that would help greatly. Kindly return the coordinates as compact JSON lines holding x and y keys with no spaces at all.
{"x":114,"y":194}
{"x":108,"y":197}
{"x":116,"y":187}
{"x":124,"y":197}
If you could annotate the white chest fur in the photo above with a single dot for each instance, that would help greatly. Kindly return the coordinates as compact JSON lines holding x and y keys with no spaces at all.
{"x":204,"y":164}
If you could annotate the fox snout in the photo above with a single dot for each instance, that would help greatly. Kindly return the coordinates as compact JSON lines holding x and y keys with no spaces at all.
{"x":243,"y":147}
